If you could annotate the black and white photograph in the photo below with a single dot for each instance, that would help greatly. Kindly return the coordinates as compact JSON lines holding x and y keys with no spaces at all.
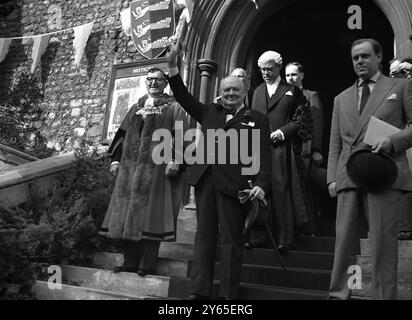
{"x":225,"y":151}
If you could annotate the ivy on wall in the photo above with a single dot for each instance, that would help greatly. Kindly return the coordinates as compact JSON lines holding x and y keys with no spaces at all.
{"x":22,"y":117}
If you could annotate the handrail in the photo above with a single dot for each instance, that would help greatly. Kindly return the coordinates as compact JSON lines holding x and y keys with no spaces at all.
{"x":18,"y":153}
{"x":36,"y":169}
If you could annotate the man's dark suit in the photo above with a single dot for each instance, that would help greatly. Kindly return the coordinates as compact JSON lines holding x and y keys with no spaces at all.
{"x":390,"y":101}
{"x":216,"y":191}
{"x":288,"y":200}
{"x":316,"y":109}
{"x":316,"y":181}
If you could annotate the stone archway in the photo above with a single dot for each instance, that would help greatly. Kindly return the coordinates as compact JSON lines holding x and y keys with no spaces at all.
{"x":222,"y":29}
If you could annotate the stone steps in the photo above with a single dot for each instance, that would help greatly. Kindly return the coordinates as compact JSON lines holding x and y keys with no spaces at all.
{"x":309,"y":268}
{"x":125,"y":282}
{"x":317,"y":244}
{"x":179,"y":288}
{"x":165,"y":266}
{"x":186,"y":226}
{"x":92,"y":284}
{"x":310,"y":279}
{"x":70,"y":292}
{"x":292,"y":259}
{"x":404,"y":269}
{"x":404,"y":288}
{"x":404,"y":248}
{"x":177,"y":259}
{"x":404,"y":266}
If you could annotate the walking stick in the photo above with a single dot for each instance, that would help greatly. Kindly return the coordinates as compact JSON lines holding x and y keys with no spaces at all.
{"x":285,"y":272}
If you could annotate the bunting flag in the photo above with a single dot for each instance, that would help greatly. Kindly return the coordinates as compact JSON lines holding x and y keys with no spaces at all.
{"x":161,"y":24}
{"x":81,"y":35}
{"x":255,"y":2}
{"x":4,"y":48}
{"x":125,"y":18}
{"x":39,"y":48}
{"x":188,"y":6}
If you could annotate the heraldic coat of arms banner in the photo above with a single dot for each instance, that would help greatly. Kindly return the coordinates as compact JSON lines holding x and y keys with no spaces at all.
{"x":152,"y":24}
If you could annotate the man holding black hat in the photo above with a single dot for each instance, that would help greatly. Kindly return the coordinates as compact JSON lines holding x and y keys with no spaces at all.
{"x":389,"y":100}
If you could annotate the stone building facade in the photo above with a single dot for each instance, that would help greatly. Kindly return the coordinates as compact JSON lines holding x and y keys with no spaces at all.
{"x":74,"y":101}
{"x":223,"y":34}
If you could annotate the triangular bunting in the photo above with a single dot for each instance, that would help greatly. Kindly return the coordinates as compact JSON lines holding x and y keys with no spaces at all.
{"x":81,"y":35}
{"x":39,"y":48}
{"x":4,"y":48}
{"x":189,"y":4}
{"x":126,"y":21}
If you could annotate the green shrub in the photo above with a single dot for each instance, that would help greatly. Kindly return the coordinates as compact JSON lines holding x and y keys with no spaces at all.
{"x":59,"y":229}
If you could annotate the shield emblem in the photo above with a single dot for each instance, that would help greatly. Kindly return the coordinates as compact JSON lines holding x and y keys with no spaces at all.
{"x":152,"y":23}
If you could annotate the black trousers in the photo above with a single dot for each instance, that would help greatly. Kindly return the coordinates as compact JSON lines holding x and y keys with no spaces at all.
{"x":217,"y":211}
{"x":140,"y":254}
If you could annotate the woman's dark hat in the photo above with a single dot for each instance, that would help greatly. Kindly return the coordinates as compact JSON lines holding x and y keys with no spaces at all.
{"x":374,"y":172}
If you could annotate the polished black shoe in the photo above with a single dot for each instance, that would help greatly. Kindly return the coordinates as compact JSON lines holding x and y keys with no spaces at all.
{"x":144,"y":272}
{"x":310,"y":234}
{"x":195,"y":296}
{"x":118,"y":269}
{"x":284,"y":247}
{"x":405,"y":235}
{"x":248,"y":245}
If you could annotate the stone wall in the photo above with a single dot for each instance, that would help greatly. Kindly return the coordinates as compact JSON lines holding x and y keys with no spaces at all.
{"x":74,"y":101}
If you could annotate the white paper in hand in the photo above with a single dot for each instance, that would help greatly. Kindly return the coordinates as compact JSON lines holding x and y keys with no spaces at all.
{"x":378,"y":129}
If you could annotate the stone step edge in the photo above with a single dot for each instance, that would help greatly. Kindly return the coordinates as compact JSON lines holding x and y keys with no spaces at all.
{"x":400,"y":276}
{"x":402,"y":284}
{"x":86,"y":277}
{"x":244,"y":265}
{"x":242,"y":284}
{"x":40,"y":285}
{"x":164,"y":249}
{"x":284,"y":289}
{"x":404,"y":248}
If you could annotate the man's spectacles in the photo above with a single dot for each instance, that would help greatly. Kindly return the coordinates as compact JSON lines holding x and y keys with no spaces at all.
{"x":150,"y":79}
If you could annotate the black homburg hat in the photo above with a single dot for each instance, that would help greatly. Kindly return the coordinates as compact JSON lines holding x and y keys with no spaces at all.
{"x":374,"y":172}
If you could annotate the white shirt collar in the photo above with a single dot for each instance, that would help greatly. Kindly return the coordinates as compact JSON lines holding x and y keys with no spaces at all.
{"x":272,"y":87}
{"x":374,"y":78}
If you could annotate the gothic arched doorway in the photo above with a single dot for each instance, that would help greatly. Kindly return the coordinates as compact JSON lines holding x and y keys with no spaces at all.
{"x":316,"y":33}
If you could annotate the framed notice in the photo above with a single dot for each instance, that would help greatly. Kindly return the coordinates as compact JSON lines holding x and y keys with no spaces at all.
{"x":127,"y":85}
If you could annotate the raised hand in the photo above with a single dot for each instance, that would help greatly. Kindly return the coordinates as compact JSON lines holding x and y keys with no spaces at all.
{"x":173,"y":51}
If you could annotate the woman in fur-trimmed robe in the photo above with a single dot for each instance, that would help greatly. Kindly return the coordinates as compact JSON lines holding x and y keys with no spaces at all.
{"x":146,"y":199}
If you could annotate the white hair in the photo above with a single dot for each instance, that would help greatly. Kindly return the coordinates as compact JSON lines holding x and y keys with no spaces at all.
{"x":240,"y":70}
{"x":270,"y":57}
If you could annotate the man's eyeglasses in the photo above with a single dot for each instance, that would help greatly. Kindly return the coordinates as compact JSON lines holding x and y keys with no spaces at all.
{"x":150,"y":79}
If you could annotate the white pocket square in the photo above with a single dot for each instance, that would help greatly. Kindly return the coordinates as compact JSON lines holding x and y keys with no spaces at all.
{"x":393,"y":96}
{"x":289,"y":93}
{"x":250,"y":124}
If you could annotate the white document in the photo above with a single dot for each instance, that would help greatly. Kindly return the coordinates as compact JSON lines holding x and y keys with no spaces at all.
{"x":378,"y":129}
